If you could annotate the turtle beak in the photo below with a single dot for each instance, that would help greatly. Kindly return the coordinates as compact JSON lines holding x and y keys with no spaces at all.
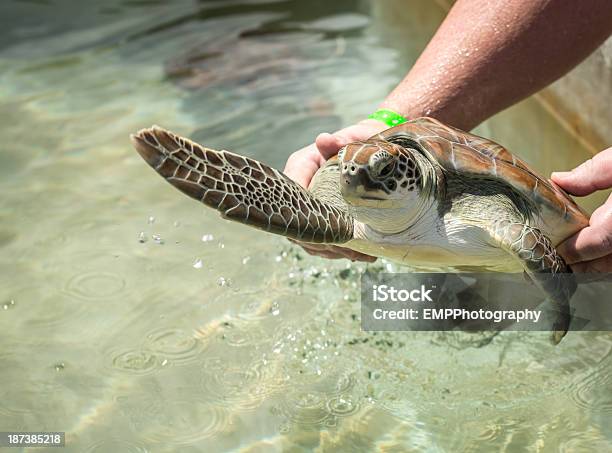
{"x":354,"y":183}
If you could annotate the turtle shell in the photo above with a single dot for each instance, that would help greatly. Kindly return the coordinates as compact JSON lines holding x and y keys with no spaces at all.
{"x":458,"y":151}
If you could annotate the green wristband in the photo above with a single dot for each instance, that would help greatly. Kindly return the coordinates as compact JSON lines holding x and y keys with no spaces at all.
{"x":389,"y":117}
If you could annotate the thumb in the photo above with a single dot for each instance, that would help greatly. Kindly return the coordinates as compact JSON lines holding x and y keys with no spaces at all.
{"x":329,"y":145}
{"x":594,"y":174}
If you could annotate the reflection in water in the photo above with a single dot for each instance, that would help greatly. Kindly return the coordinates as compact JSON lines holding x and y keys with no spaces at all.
{"x":260,"y":347}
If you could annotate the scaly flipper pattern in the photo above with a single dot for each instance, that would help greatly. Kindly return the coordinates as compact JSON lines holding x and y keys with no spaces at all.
{"x":242,"y":189}
{"x":543,"y":264}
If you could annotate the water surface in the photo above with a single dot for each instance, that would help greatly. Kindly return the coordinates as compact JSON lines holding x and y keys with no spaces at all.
{"x":136,"y":320}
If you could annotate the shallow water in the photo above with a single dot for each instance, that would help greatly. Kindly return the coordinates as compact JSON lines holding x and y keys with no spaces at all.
{"x":136,"y":320}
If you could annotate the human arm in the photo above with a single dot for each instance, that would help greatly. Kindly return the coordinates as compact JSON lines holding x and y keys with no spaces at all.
{"x":490,"y":54}
{"x":486,"y":55}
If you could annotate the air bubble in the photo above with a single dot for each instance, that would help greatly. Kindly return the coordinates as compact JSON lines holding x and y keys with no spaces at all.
{"x":142,"y":237}
{"x":197,"y":264}
{"x":157,"y":239}
{"x":207,"y":238}
{"x":151,"y":220}
{"x":222,"y":281}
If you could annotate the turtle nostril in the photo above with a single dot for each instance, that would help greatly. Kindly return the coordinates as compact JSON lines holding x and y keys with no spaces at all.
{"x":350,"y":169}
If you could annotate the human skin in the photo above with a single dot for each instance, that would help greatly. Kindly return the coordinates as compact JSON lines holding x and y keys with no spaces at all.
{"x":486,"y":56}
{"x":590,"y":250}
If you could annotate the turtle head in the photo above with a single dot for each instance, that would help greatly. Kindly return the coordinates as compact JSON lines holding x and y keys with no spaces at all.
{"x":379,"y":175}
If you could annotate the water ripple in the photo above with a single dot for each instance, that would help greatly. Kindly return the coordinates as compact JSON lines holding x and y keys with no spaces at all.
{"x":240,"y":334}
{"x":29,"y":397}
{"x":593,"y":391}
{"x":342,"y":406}
{"x":243,"y":387}
{"x":175,"y":345}
{"x":135,"y":361}
{"x":116,"y":445}
{"x":95,"y":285}
{"x":250,"y":305}
{"x":306,"y":408}
{"x":186,"y":422}
{"x":392,"y":399}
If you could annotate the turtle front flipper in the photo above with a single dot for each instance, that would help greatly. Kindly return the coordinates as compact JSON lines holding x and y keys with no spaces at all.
{"x":543,"y":264}
{"x":242,"y":189}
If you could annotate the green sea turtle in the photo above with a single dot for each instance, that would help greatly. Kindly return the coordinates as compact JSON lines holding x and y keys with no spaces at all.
{"x":421,"y":193}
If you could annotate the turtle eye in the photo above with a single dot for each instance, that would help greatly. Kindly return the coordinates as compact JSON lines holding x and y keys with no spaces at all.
{"x":386,"y":170}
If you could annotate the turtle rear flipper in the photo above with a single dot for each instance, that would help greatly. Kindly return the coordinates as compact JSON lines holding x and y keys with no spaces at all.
{"x":546,"y":268}
{"x":242,"y":189}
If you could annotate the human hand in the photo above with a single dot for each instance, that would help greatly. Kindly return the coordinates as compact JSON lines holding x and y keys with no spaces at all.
{"x":590,"y":250}
{"x":303,"y":164}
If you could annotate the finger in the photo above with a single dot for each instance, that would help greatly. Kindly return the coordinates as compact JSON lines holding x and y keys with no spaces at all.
{"x":314,"y":250}
{"x":594,"y":174}
{"x":334,"y":252}
{"x":602,"y":213}
{"x":296,"y":176}
{"x":310,"y":245}
{"x":356,"y":256}
{"x":350,"y":254}
{"x":319,"y":250}
{"x":324,"y":254}
{"x":598,"y":266}
{"x":302,"y":165}
{"x":328,"y":144}
{"x":590,"y":243}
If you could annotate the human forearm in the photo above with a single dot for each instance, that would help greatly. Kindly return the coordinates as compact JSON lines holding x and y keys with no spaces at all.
{"x":489,"y":54}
